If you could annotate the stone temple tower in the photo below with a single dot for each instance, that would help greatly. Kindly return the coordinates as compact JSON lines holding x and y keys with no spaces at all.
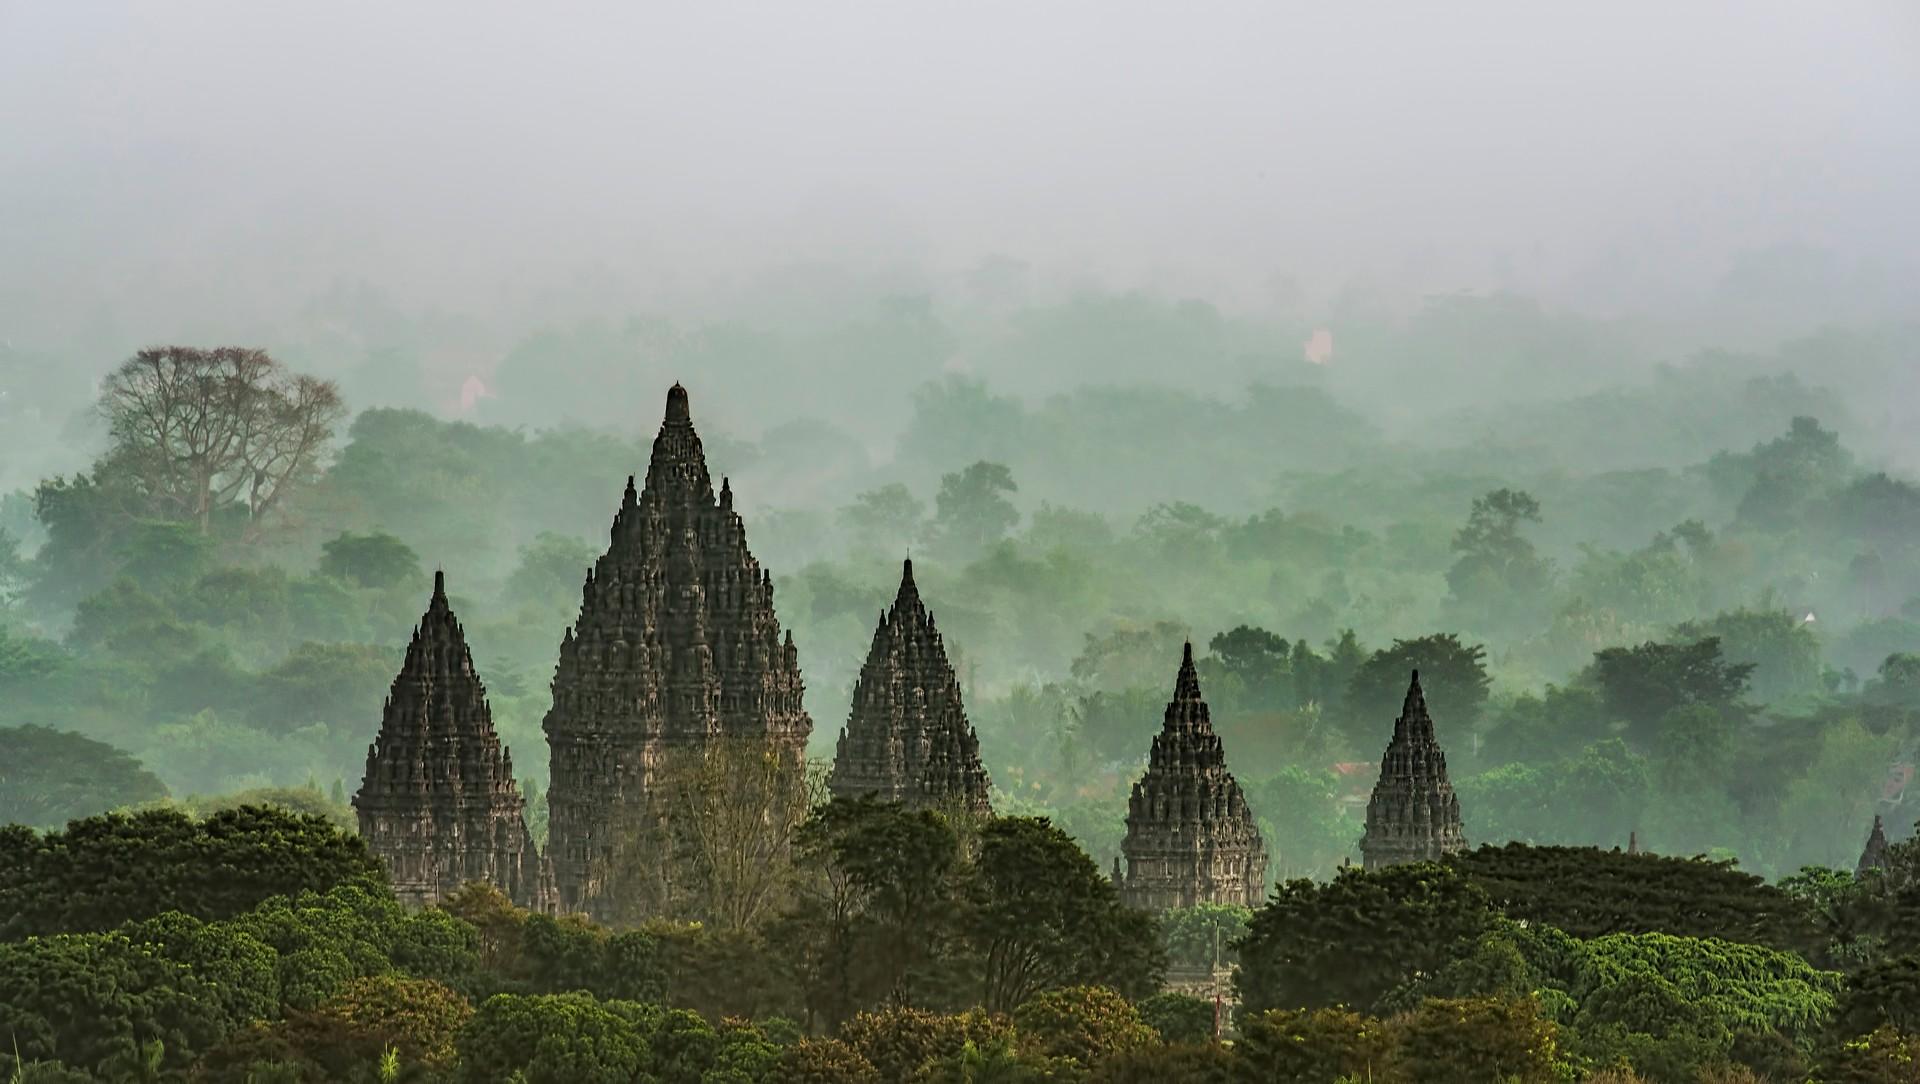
{"x":439,"y":805}
{"x":908,"y":738}
{"x":676,"y":646}
{"x":1413,"y":815}
{"x":1190,"y":838}
{"x":1874,"y":856}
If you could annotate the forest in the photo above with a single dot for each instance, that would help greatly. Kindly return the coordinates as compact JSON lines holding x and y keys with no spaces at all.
{"x":1701,"y":641}
{"x":1215,"y":542}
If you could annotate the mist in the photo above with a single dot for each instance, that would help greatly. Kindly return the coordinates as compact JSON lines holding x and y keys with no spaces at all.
{"x":213,"y":170}
{"x":1255,"y":305}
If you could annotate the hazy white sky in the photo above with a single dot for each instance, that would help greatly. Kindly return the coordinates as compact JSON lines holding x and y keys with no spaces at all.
{"x":240,"y":153}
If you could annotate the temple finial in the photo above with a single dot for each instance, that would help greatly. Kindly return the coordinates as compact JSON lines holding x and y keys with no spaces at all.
{"x":678,"y":412}
{"x":1414,"y":708}
{"x":439,"y":585}
{"x":1187,"y":685}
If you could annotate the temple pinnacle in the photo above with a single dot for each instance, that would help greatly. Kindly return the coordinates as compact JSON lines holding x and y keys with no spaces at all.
{"x":1187,"y":685}
{"x":907,"y":737}
{"x":678,"y":412}
{"x":1190,"y":838}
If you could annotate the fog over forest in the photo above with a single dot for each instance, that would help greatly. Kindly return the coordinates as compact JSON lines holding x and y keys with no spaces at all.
{"x":1130,"y":324}
{"x":841,"y":542}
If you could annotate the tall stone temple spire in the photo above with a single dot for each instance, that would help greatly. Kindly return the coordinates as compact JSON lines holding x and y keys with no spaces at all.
{"x":1875,"y":854}
{"x":1413,"y":815}
{"x":907,"y":738}
{"x":676,"y":646}
{"x":438,"y":804}
{"x":1190,"y":838}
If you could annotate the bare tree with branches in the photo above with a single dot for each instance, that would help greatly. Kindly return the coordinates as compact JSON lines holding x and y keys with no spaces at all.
{"x":716,"y":841}
{"x":199,"y":432}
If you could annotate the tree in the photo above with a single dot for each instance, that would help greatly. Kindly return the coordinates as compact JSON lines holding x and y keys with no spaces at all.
{"x":971,"y":511}
{"x":99,"y":1000}
{"x":1352,"y":940}
{"x":84,"y":518}
{"x":197,"y":433}
{"x":1669,"y":1005}
{"x":1782,"y":475}
{"x":24,"y":660}
{"x":1598,"y":796}
{"x":1886,"y":994}
{"x":102,"y":871}
{"x":1896,"y":682}
{"x":1498,"y":580}
{"x":1130,"y":657}
{"x":1591,"y":892}
{"x":555,"y":1039}
{"x":378,"y":560}
{"x":1300,"y":812}
{"x":895,"y":868}
{"x":824,"y":1061}
{"x":1053,"y":527}
{"x":1642,"y":684}
{"x":551,"y":570}
{"x":1504,"y":1039}
{"x":1041,"y":916}
{"x":888,"y":518}
{"x":1453,"y":677}
{"x":1886,"y":1056}
{"x":1534,"y":728}
{"x":1777,"y":646}
{"x":49,"y":777}
{"x":1179,"y":1018}
{"x":1319,"y":1045}
{"x":1837,"y":793}
{"x":340,"y":685}
{"x":1204,"y":935}
{"x":1083,"y":1023}
{"x":1189,"y":1062}
{"x":1257,"y":658}
{"x":717,"y":845}
{"x":13,"y":569}
{"x":1181,"y":532}
{"x":899,"y":1042}
{"x":417,"y":1019}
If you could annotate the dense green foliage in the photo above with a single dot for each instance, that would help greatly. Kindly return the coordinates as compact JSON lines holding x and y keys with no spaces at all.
{"x":48,"y":777}
{"x":1588,"y":893}
{"x":100,"y":872}
{"x":1632,"y":618}
{"x":1356,"y":938}
{"x":1510,"y":963}
{"x":1723,"y":600}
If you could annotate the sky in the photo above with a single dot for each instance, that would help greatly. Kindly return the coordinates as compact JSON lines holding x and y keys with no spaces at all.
{"x":223,"y":161}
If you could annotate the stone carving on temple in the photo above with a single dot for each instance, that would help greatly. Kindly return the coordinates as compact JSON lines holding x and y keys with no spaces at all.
{"x":1874,"y":856}
{"x":439,"y":805}
{"x":1190,"y":837}
{"x":907,"y":738}
{"x":1413,"y":816}
{"x":676,"y":646}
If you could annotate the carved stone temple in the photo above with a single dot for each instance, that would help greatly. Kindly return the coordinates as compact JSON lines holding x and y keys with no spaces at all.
{"x":1874,"y":856}
{"x":1413,"y":816}
{"x":676,"y":646}
{"x":438,"y":804}
{"x":1190,"y":838}
{"x":907,"y":738}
